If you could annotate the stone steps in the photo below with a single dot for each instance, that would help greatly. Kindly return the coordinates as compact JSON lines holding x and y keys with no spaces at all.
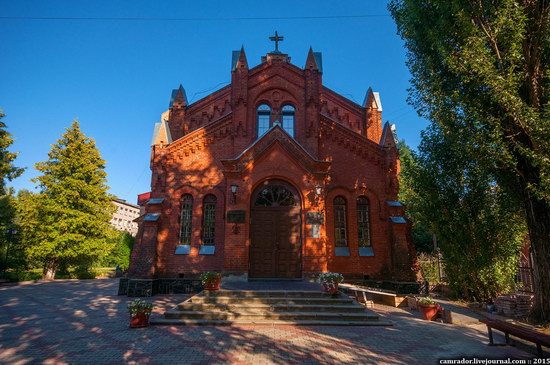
{"x":227,"y":315}
{"x":265,"y":293}
{"x":270,"y":300}
{"x":254,"y":307}
{"x":226,"y":307}
{"x":221,"y":322}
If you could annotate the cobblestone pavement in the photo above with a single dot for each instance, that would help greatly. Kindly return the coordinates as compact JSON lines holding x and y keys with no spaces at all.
{"x":84,"y":322}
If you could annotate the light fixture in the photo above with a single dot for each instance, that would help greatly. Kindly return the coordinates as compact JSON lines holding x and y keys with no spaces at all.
{"x":234,"y":189}
{"x":318,"y":190}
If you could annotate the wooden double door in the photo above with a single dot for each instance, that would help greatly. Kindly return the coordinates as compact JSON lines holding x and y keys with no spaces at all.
{"x":275,"y":249}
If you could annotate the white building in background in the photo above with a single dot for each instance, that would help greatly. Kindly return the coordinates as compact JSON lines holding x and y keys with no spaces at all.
{"x":123,"y":217}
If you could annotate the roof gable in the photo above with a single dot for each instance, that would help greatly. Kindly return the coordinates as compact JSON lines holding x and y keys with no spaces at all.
{"x":276,"y":135}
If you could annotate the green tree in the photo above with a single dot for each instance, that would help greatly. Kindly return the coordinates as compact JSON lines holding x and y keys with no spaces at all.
{"x":420,"y":232}
{"x":478,"y":224}
{"x":122,"y":249}
{"x":483,"y":67}
{"x":8,"y":172}
{"x":67,"y":223}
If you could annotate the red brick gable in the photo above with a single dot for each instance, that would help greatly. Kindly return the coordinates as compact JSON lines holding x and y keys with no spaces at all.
{"x":262,"y":146}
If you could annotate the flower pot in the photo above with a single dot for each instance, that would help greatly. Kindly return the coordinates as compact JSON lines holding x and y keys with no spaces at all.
{"x":212,"y":285}
{"x":429,"y":311}
{"x":139,"y":320}
{"x":331,"y":288}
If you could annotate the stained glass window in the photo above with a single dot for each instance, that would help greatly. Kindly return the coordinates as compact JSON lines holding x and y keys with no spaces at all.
{"x":340,"y":230}
{"x":209,"y":220}
{"x":186,"y":219}
{"x":363,"y":222}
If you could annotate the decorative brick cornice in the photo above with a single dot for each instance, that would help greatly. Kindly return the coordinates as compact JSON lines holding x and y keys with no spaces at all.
{"x":352,"y":141}
{"x":190,"y":143}
{"x":276,"y":135}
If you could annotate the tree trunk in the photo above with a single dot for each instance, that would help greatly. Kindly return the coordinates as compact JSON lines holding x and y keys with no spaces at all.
{"x":538,"y":222}
{"x":48,"y":273}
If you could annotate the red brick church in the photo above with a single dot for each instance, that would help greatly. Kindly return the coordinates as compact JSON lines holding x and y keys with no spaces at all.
{"x":273,"y":176}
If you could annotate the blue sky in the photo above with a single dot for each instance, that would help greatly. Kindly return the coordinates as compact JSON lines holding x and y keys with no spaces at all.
{"x":116,"y":76}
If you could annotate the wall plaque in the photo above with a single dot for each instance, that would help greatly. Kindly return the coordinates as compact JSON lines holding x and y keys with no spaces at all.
{"x":235,"y":216}
{"x":315,"y":231}
{"x":315,"y":218}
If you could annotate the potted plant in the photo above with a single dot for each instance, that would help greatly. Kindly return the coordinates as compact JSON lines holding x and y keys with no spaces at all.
{"x":330,"y":281}
{"x":140,"y":310}
{"x":211,"y":280}
{"x":428,"y":307}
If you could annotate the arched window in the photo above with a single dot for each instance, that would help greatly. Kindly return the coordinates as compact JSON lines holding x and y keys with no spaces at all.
{"x":363,"y":233}
{"x":263,"y":118}
{"x":209,"y":220}
{"x":275,"y":196}
{"x":186,"y":219}
{"x":288,"y":112}
{"x":340,"y":230}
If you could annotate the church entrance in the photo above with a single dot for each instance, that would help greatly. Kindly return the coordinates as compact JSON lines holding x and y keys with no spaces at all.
{"x":275,"y":232}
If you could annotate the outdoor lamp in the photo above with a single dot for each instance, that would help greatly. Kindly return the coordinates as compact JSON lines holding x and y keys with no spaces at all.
{"x":234,"y":189}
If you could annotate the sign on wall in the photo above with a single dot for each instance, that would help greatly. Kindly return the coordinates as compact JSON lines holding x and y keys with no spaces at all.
{"x":235,"y":216}
{"x":315,"y":218}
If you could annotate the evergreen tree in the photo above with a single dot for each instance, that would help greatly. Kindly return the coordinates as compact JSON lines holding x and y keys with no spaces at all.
{"x":67,"y":223}
{"x":481,"y":67}
{"x":8,"y":172}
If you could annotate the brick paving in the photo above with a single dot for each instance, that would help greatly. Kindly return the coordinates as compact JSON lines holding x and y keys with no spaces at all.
{"x":84,"y":322}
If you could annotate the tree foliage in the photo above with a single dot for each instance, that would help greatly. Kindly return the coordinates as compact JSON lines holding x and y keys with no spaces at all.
{"x":420,"y":232}
{"x":478,"y":224}
{"x":122,"y":249}
{"x":480,"y":70}
{"x":67,"y":222}
{"x":8,"y":172}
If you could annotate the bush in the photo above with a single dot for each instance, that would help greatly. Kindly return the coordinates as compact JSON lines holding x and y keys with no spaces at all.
{"x":16,"y":276}
{"x":428,"y":267}
{"x":120,"y":254}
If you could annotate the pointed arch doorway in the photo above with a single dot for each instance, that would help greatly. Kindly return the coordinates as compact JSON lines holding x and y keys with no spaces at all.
{"x":275,"y":232}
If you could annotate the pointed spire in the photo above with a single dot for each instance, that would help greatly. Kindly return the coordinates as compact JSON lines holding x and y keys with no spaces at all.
{"x":314,"y":60}
{"x":178,"y":97}
{"x":372,"y":100}
{"x":388,"y":137}
{"x":242,"y":62}
{"x":161,"y":134}
{"x":239,"y":60}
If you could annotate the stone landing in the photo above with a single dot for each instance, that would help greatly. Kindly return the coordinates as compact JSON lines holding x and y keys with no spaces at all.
{"x":296,"y":307}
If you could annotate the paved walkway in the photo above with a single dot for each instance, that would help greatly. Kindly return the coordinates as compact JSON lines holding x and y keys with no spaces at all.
{"x":84,"y":322}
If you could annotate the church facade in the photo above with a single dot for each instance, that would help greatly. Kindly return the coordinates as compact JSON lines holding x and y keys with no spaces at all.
{"x":273,"y":176}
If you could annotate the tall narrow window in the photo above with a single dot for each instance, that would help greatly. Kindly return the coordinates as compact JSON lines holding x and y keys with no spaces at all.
{"x":209,"y":220}
{"x":263,"y":119}
{"x":288,"y":119}
{"x":363,"y":233}
{"x":186,"y":219}
{"x":340,"y":231}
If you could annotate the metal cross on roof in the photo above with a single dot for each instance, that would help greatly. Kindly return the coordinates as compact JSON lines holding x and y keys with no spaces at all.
{"x":276,"y":39}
